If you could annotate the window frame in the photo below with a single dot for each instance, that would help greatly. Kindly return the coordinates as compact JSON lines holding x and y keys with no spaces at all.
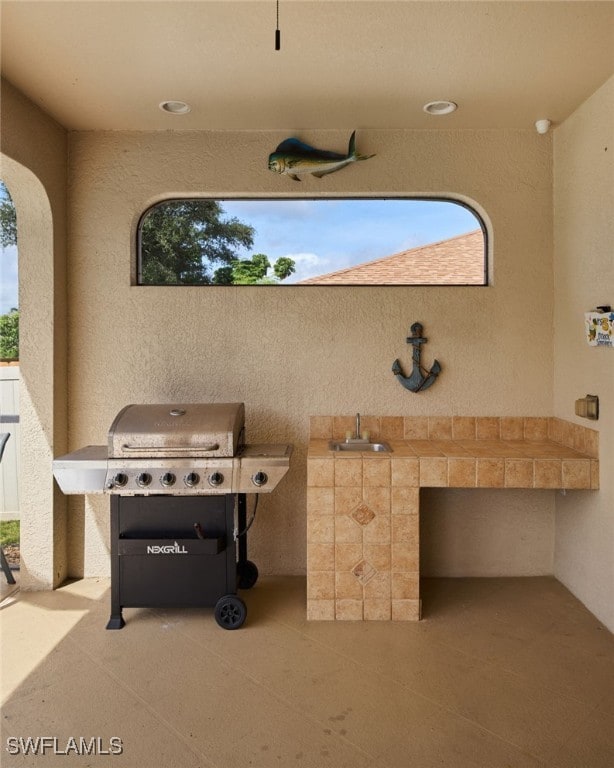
{"x":481,"y":224}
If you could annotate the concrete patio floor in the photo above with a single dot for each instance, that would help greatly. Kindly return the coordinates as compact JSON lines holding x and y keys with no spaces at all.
{"x":500,"y":673}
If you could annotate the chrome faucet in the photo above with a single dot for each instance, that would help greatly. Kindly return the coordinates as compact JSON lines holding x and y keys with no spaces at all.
{"x":358,"y":438}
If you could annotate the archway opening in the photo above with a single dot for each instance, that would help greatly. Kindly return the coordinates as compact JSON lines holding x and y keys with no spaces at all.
{"x":42,"y":388}
{"x":10,"y":436}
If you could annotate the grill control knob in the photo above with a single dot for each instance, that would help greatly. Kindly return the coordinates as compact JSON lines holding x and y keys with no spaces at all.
{"x":192,"y":479}
{"x":120,"y":479}
{"x":168,"y":479}
{"x":260,"y":479}
{"x":215,"y":479}
{"x":144,"y":479}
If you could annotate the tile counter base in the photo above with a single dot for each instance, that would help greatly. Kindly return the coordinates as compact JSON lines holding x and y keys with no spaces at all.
{"x":363,"y":510}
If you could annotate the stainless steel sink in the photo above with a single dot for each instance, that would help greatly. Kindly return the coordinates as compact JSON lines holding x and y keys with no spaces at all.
{"x":340,"y":445}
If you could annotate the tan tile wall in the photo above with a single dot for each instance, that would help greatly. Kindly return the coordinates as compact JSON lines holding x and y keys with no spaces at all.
{"x":483,"y":451}
{"x":537,"y":428}
{"x":581,"y":439}
{"x":363,"y":538}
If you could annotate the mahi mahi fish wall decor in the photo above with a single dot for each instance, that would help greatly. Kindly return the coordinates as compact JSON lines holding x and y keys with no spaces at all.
{"x":294,"y":158}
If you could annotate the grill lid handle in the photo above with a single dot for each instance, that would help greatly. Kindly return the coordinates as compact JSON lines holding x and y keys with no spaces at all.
{"x":169,"y":448}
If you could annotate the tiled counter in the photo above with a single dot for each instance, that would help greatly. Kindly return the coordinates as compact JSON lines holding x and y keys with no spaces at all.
{"x":363,"y":535}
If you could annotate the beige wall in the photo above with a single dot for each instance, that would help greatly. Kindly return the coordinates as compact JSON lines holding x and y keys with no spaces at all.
{"x":486,"y":532}
{"x":34,"y":161}
{"x":584,"y":278}
{"x":291,"y":352}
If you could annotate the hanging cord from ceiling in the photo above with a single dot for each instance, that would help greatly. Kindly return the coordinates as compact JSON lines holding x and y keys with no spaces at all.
{"x":277,"y":32}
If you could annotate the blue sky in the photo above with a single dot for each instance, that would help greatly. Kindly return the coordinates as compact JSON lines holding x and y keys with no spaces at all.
{"x":8,"y":270}
{"x":326,"y":235}
{"x":320,"y":235}
{"x":8,"y":279}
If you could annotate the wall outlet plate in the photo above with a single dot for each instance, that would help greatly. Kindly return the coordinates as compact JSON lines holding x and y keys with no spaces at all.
{"x":588,"y":407}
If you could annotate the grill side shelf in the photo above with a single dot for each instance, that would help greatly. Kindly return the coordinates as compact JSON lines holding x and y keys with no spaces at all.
{"x":173,"y":547}
{"x":82,"y":471}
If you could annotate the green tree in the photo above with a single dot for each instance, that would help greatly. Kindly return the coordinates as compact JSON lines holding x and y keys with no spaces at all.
{"x":223,"y":275}
{"x":254,"y":271}
{"x":187,"y":242}
{"x":8,"y":219}
{"x":9,"y":335}
{"x":284,"y":267}
{"x":250,"y":271}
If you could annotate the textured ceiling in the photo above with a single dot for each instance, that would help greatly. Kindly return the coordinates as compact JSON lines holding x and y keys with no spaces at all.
{"x":352,"y":64}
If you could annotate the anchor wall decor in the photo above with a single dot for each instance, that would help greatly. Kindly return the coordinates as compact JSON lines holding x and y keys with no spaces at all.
{"x":420,"y":378}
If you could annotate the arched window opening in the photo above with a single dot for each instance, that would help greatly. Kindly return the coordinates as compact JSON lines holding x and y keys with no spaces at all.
{"x":308,"y":242}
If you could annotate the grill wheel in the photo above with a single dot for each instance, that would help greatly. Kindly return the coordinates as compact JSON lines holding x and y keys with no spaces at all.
{"x":230,"y":612}
{"x":247,"y":574}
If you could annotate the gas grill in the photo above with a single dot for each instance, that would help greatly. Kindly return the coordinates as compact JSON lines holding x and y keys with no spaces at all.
{"x":178,"y":476}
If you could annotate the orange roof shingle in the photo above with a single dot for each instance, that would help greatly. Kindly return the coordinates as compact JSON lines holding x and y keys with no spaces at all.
{"x":459,"y":260}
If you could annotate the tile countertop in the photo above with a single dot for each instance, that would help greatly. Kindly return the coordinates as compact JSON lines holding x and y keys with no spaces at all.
{"x":466,"y":462}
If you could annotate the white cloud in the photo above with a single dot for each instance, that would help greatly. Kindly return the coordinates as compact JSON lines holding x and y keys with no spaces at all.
{"x":307,"y":265}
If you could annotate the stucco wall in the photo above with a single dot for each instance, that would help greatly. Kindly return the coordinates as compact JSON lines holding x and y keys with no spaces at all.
{"x":291,"y":352}
{"x":584,"y":278}
{"x":34,"y":161}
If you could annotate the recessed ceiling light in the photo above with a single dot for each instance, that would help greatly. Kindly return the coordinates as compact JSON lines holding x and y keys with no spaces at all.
{"x":175,"y":107}
{"x":440,"y":107}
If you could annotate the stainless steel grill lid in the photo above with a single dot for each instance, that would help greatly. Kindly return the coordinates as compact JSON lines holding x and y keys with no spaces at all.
{"x":177,"y":430}
{"x":175,"y":449}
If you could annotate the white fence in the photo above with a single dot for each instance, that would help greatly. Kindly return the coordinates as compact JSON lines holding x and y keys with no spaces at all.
{"x":9,"y":422}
